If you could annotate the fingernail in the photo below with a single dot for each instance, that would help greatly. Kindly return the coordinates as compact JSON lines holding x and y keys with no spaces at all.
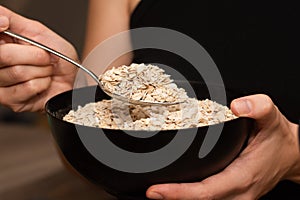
{"x":155,"y":195}
{"x":3,"y":23}
{"x":243,"y":106}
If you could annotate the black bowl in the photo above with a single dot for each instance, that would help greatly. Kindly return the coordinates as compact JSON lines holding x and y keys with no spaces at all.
{"x":187,"y":155}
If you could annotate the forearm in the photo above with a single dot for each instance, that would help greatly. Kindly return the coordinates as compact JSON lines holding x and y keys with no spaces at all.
{"x":106,"y":19}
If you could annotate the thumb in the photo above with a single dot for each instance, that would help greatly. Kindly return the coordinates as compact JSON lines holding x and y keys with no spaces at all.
{"x":14,"y":21}
{"x":4,"y":23}
{"x":259,"y":107}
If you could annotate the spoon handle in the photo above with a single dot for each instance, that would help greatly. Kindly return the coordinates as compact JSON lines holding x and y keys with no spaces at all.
{"x":35,"y":43}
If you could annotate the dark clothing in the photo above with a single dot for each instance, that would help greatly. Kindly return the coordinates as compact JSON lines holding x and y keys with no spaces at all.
{"x":255,"y":45}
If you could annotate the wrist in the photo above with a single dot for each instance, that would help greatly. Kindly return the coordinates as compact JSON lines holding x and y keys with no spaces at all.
{"x":294,"y":172}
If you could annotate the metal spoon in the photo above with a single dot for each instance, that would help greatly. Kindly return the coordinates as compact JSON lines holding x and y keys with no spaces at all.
{"x":89,"y":72}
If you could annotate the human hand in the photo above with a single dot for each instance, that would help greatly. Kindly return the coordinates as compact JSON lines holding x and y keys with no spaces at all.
{"x":29,"y":76}
{"x":271,"y":155}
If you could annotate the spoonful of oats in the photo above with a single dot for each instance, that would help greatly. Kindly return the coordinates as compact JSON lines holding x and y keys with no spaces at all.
{"x":136,"y":84}
{"x":143,"y":84}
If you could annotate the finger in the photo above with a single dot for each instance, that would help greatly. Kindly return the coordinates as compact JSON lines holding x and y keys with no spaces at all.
{"x":23,"y":92}
{"x":34,"y":104}
{"x":15,"y":54}
{"x":21,"y":25}
{"x":32,"y":29}
{"x":259,"y":107}
{"x":4,"y":23}
{"x":17,"y":74}
{"x":214,"y":187}
{"x":16,"y":22}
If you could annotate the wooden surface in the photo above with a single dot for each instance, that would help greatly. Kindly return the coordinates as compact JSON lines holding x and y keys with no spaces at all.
{"x":31,"y":168}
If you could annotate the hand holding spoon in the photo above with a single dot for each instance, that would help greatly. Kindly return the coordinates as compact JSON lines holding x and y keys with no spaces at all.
{"x":89,"y":72}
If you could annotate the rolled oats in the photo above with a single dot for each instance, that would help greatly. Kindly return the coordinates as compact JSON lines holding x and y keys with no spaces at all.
{"x":142,"y":82}
{"x":147,"y":82}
